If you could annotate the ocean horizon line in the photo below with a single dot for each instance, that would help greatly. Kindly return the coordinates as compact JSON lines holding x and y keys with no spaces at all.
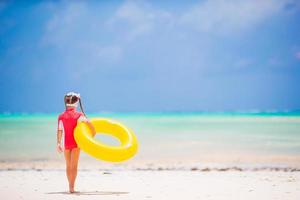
{"x":170,"y":113}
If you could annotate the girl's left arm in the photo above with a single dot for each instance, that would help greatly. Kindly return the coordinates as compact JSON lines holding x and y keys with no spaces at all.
{"x":91,"y":127}
{"x":84,"y":119}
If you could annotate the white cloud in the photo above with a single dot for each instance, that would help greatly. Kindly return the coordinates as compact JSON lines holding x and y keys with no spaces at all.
{"x":230,"y":16}
{"x":64,"y":22}
{"x":75,"y":30}
{"x":138,"y":18}
{"x":108,"y":35}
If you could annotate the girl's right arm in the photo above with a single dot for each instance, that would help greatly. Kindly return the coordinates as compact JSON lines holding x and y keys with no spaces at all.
{"x":59,"y":136}
{"x":59,"y":146}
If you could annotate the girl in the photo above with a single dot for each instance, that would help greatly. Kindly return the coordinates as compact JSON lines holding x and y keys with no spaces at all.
{"x":67,"y":122}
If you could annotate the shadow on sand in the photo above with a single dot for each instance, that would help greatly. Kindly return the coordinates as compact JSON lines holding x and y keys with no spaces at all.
{"x":91,"y":193}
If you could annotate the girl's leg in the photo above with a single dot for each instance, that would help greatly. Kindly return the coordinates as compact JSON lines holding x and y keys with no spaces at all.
{"x":68,"y":165}
{"x":74,"y":165}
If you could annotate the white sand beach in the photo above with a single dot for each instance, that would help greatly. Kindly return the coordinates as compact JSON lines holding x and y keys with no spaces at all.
{"x":165,"y":184}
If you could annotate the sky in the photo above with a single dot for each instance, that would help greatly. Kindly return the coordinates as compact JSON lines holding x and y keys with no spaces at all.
{"x":150,"y":56}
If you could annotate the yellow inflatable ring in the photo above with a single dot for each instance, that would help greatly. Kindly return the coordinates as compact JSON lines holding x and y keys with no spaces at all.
{"x":85,"y":140}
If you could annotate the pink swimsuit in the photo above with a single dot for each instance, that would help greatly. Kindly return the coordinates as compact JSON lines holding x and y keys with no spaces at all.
{"x":69,"y":120}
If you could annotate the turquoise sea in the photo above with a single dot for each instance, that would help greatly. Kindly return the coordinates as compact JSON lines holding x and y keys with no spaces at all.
{"x":178,"y":136}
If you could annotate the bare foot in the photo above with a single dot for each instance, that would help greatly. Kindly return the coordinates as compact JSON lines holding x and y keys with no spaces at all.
{"x":71,"y":189}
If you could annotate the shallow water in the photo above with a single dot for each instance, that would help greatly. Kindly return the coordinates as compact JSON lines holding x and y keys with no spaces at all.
{"x":167,"y":136}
